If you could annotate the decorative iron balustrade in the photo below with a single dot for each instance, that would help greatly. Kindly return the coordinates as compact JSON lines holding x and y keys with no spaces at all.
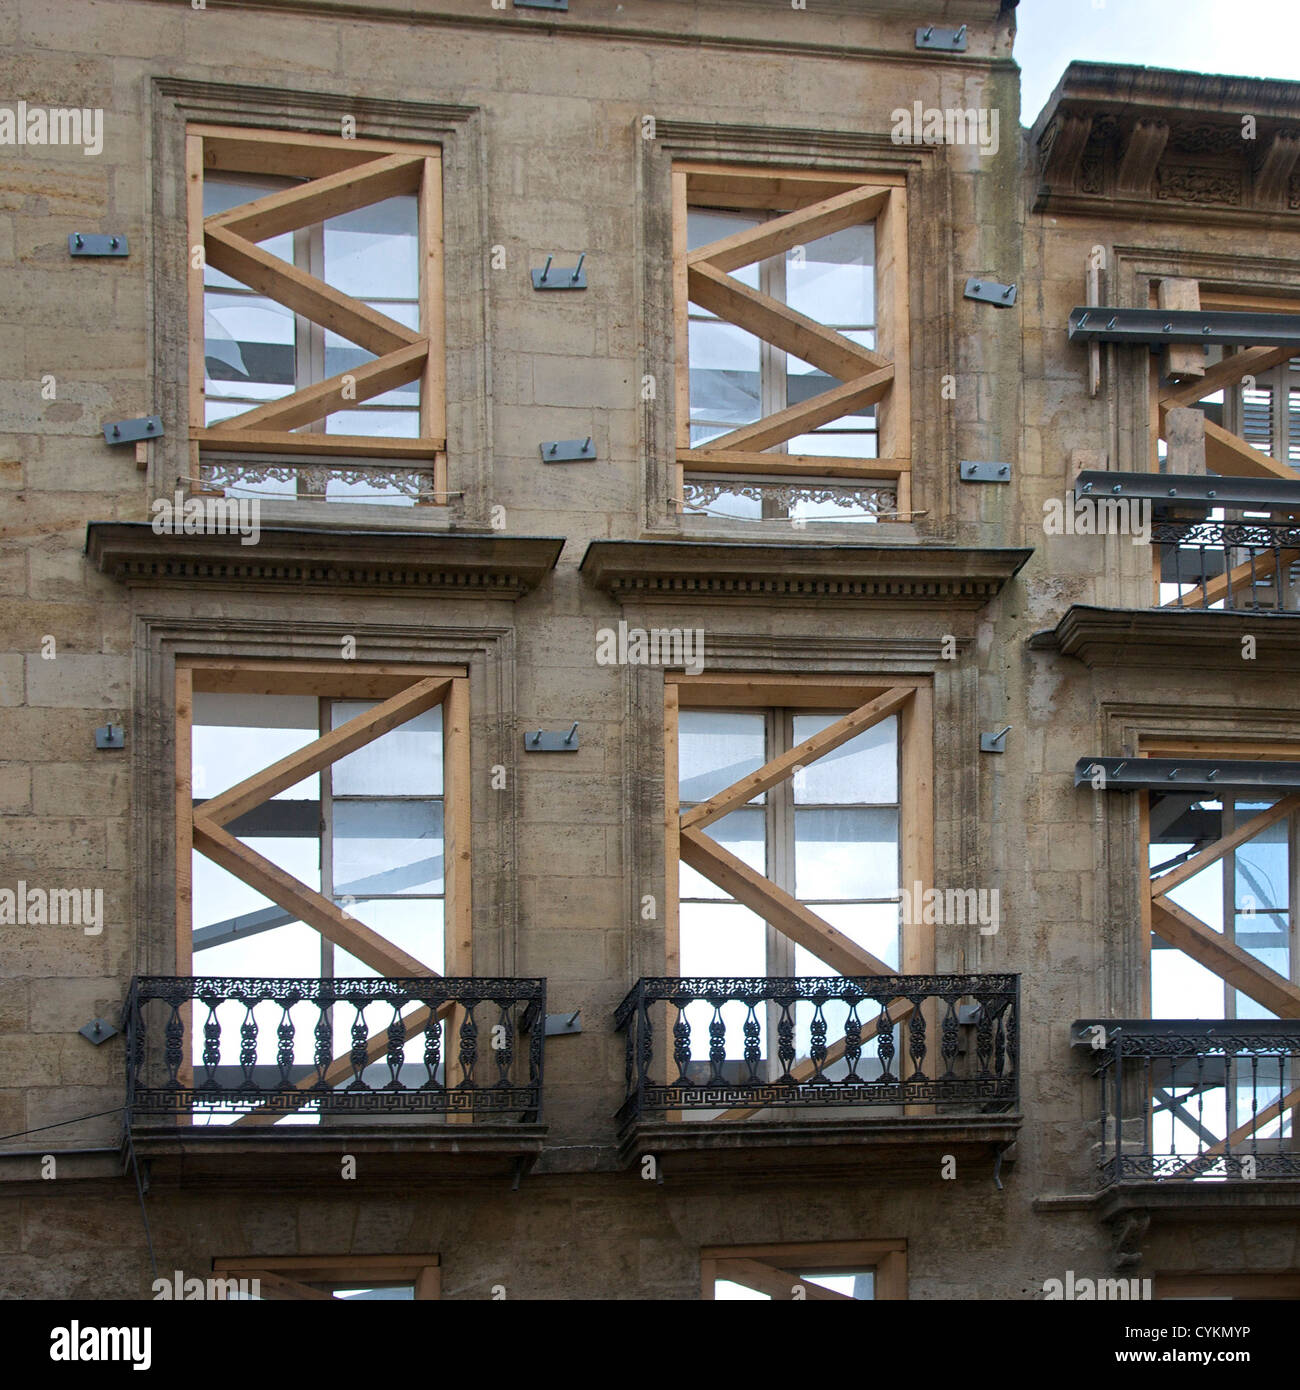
{"x":1189,"y":1100}
{"x":208,"y":1049}
{"x":880,"y":1040}
{"x":1232,"y":565}
{"x":387,"y":481}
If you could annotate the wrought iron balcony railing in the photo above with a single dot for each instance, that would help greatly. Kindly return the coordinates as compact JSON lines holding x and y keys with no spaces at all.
{"x":1188,"y":1100}
{"x":948,"y":1041}
{"x":1251,"y":566}
{"x":208,"y":1050}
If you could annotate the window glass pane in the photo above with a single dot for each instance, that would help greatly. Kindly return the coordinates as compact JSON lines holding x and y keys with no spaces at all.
{"x":846,"y":853}
{"x":248,"y":346}
{"x":724,"y":1291}
{"x":406,"y":761}
{"x":235,"y":736}
{"x":863,"y":770}
{"x":724,"y":373}
{"x":715,"y":749}
{"x":721,"y":939}
{"x":413,"y":924}
{"x":387,"y":847}
{"x":381,"y":424}
{"x":221,"y":192}
{"x":834,"y":280}
{"x":704,"y":226}
{"x":873,"y":926}
{"x":861,"y":1286}
{"x":1182,"y":987}
{"x":373,"y":252}
{"x":394,"y":1293}
{"x":847,"y":444}
{"x":740,"y":832}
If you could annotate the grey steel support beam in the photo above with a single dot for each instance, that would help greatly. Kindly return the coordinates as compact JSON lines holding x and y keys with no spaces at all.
{"x":1159,"y":327}
{"x":1191,"y":489}
{"x":1187,"y":774}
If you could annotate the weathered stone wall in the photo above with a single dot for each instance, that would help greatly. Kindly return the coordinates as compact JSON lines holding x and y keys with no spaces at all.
{"x":561,"y":102}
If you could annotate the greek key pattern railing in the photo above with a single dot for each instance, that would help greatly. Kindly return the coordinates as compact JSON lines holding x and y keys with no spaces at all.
{"x":1229,"y":564}
{"x":881,"y":1040}
{"x":1188,"y":1100}
{"x":355,"y":1047}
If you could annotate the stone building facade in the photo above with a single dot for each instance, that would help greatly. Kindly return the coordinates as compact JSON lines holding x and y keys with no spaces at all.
{"x":703,"y":381}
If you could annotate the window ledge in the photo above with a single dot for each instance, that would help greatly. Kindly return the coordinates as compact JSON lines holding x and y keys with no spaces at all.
{"x":948,"y":577}
{"x":1147,"y":637}
{"x":426,"y":562}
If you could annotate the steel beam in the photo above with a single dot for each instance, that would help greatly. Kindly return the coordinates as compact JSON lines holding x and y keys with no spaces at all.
{"x":1160,"y":327}
{"x":1188,"y":774}
{"x":1191,"y":489}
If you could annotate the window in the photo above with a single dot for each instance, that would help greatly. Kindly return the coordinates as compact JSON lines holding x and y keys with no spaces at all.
{"x":1220,"y":865}
{"x":832,"y":1271}
{"x":348,"y":1278}
{"x":798,"y":825}
{"x":316,"y":318}
{"x":327,"y":810}
{"x":828,"y":836}
{"x":791,"y":393}
{"x":1223,"y":947}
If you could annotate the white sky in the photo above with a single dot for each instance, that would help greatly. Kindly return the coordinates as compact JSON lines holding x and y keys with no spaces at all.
{"x":1246,"y":38}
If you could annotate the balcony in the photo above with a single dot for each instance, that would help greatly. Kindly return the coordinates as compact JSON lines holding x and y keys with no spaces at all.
{"x":1195,"y":1113}
{"x":1225,"y":555}
{"x":428,"y":1076}
{"x":1243,"y":566}
{"x":764,"y":1074}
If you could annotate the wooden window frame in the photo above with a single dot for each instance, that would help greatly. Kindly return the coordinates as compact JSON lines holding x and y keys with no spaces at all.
{"x":342,"y":175}
{"x":820,"y":202}
{"x":774,"y":1269}
{"x":869,"y":700}
{"x":404,"y":690}
{"x":288,"y":1277}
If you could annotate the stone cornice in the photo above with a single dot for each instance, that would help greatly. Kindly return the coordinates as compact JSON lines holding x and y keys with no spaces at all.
{"x":1161,"y":637}
{"x":494,"y":566}
{"x":888,"y":575}
{"x":1157,"y":144}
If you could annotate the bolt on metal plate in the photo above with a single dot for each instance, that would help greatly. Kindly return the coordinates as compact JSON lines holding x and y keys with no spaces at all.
{"x":973,"y":471}
{"x":568,"y":450}
{"x":98,"y":1030}
{"x":560,"y":277}
{"x":945,"y":40}
{"x":551,"y":741}
{"x":110,"y":736}
{"x":130,"y":431}
{"x":990,"y":291}
{"x":559,"y":1024}
{"x":995,"y":743}
{"x":97,"y":244}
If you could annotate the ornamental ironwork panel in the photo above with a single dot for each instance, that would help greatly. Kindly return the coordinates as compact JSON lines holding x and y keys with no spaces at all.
{"x":1197,"y":1100}
{"x":715,"y":1043}
{"x":1234,"y":565}
{"x":213,"y":1049}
